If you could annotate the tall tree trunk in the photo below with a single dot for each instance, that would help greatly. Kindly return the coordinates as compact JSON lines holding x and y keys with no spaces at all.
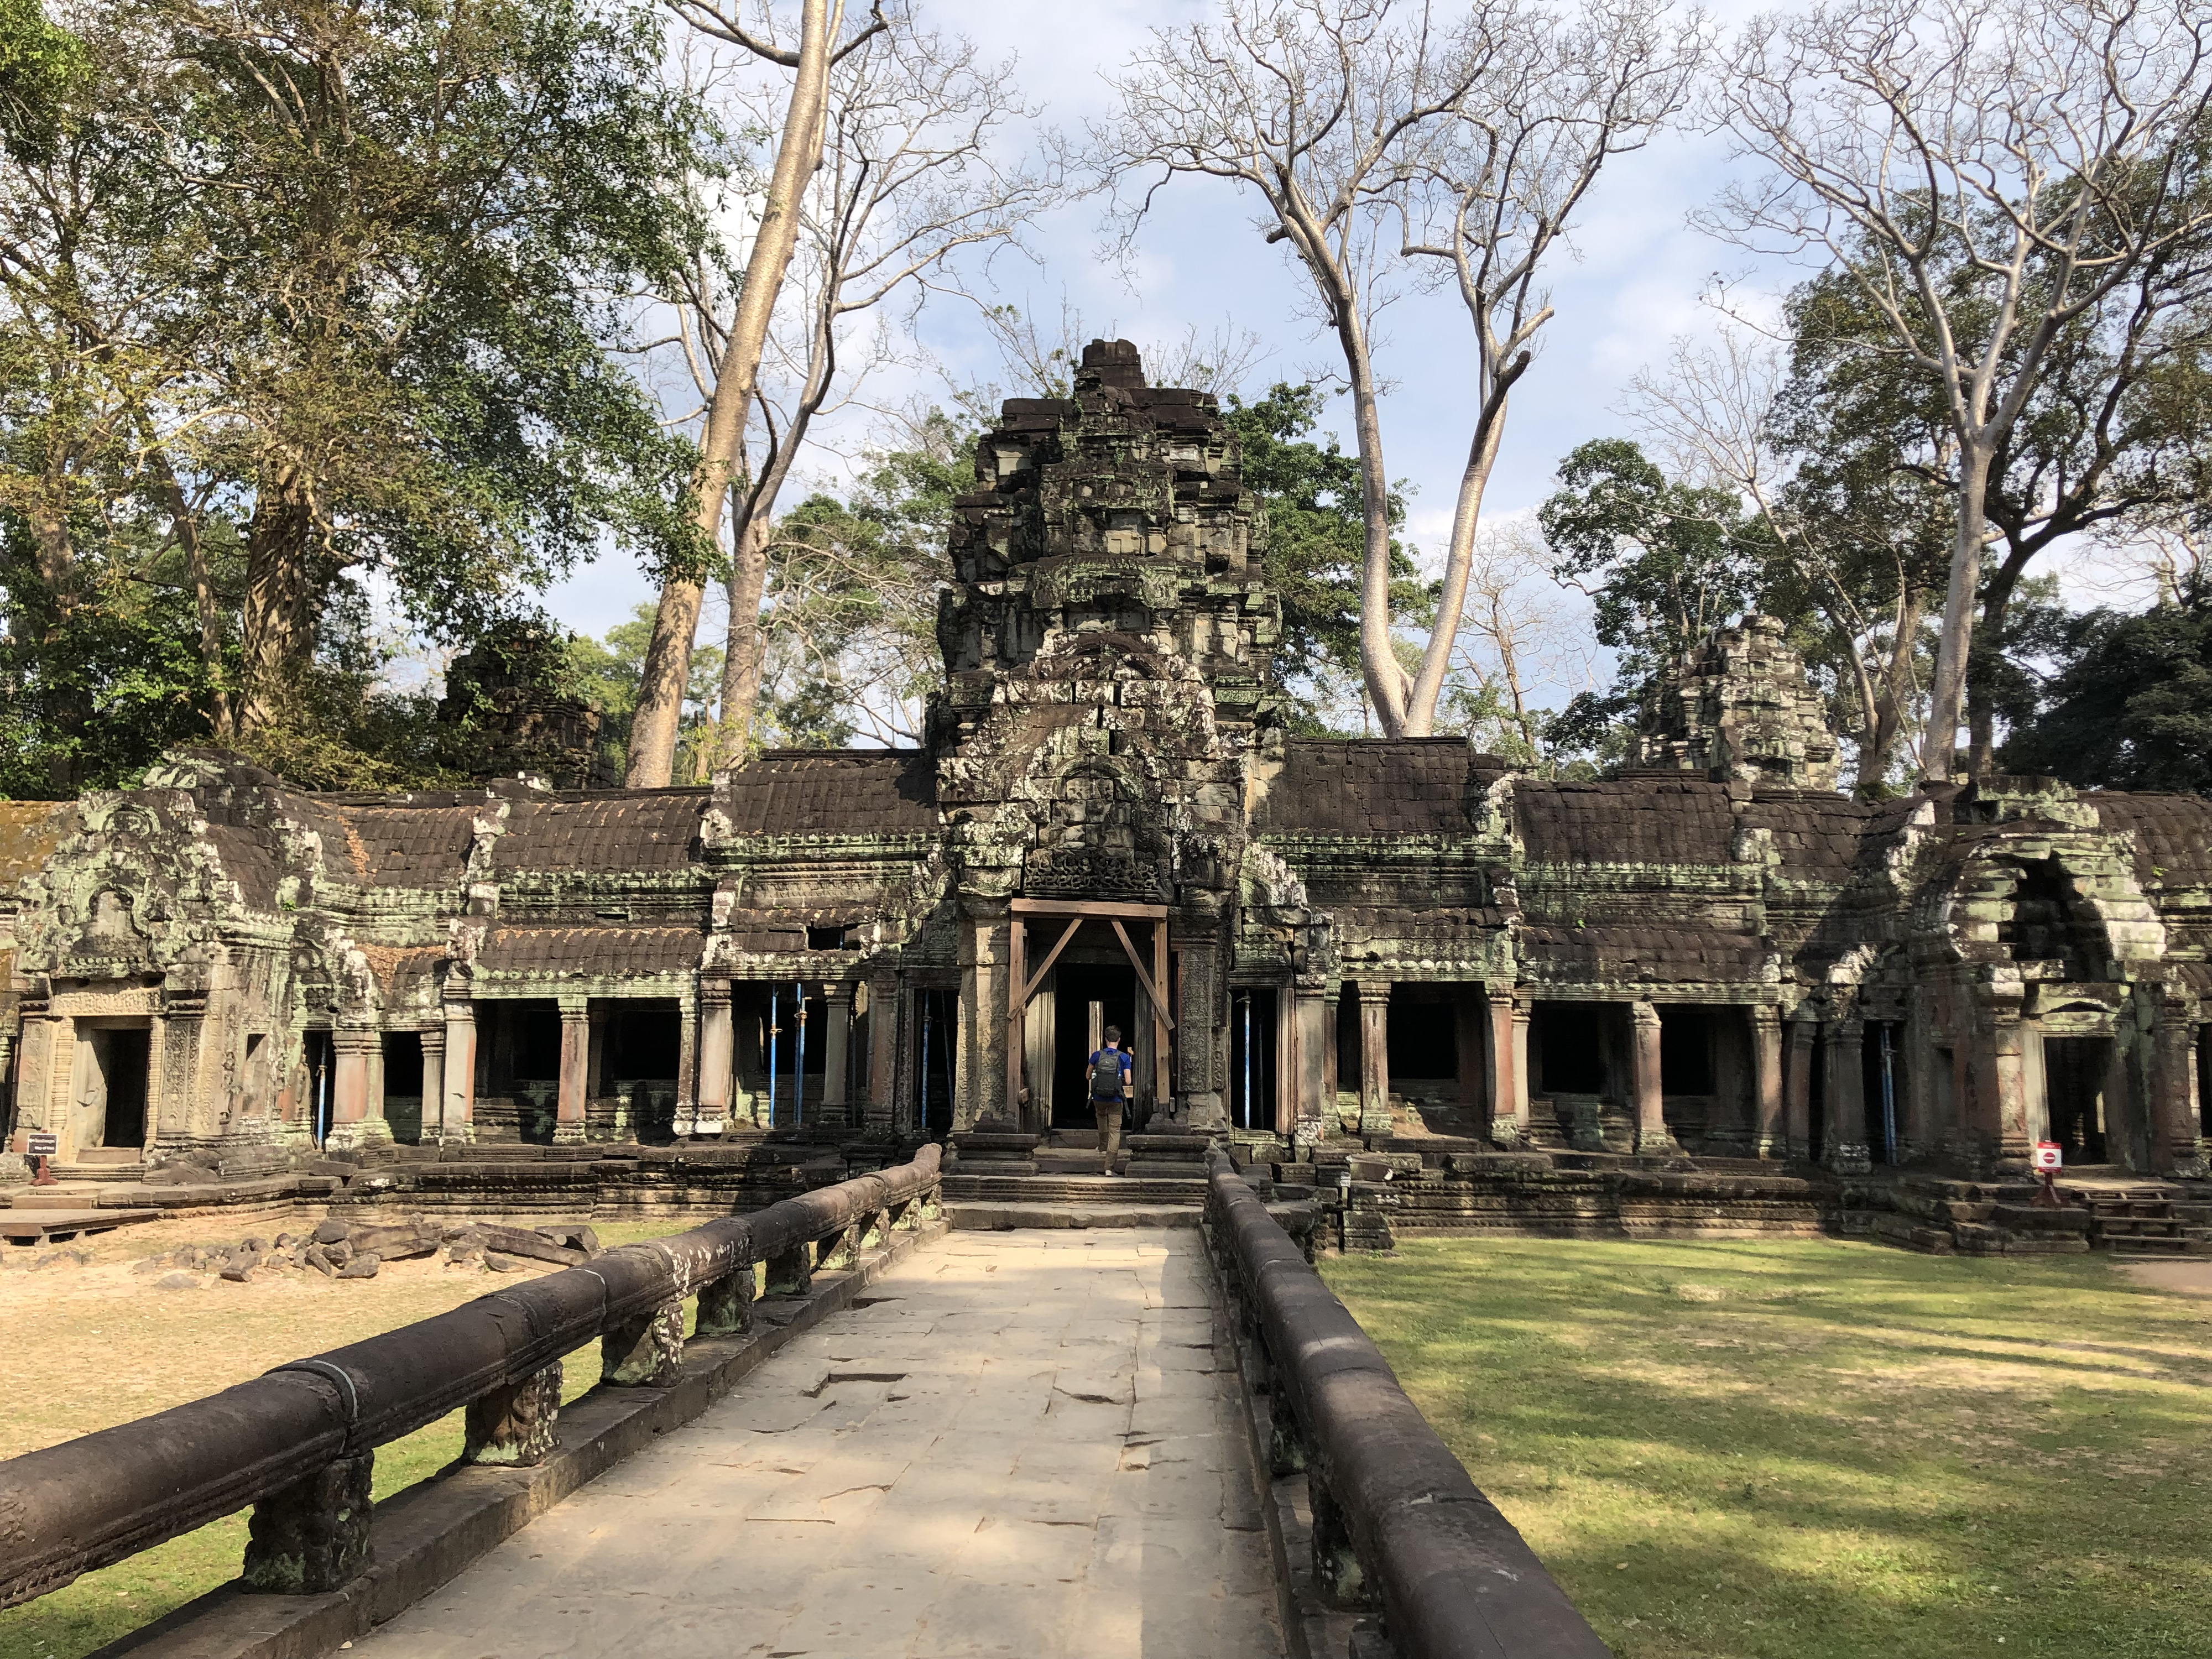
{"x":276,"y":627}
{"x":69,"y":707}
{"x":185,"y":528}
{"x":668,"y":656}
{"x":1379,"y":657}
{"x":743,"y":647}
{"x":1939,"y":747}
{"x":1996,"y":603}
{"x":1420,"y":714}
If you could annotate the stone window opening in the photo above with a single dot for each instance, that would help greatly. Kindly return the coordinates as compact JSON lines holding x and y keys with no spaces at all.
{"x":518,"y":1070}
{"x":936,"y":1032}
{"x":1885,"y":1128}
{"x":1252,"y":1064}
{"x":2049,"y":920}
{"x":828,"y":936}
{"x":1688,"y":1090}
{"x":317,"y":1061}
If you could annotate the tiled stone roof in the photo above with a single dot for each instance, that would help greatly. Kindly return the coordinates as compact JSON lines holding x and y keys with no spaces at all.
{"x":611,"y":949}
{"x":834,"y":792}
{"x":1406,"y":786}
{"x":403,"y":845}
{"x":1629,"y":821}
{"x":636,"y":830}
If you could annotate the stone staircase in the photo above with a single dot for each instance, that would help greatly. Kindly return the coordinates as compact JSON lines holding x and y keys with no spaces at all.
{"x":2145,"y":1221}
{"x":1000,"y":1179}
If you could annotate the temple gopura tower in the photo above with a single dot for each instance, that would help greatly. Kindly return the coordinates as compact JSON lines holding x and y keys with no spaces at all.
{"x":1714,"y":954}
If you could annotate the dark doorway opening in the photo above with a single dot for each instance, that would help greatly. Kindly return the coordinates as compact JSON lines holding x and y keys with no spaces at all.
{"x":2204,"y":1081}
{"x":1569,"y":1040}
{"x":1252,"y":1056}
{"x":121,"y":1055}
{"x":2074,"y":1095}
{"x":1424,"y":1038}
{"x":643,"y":1054}
{"x":937,"y":1034}
{"x":1350,"y":1050}
{"x":1685,"y":1050}
{"x":402,"y":1086}
{"x":1076,"y":987}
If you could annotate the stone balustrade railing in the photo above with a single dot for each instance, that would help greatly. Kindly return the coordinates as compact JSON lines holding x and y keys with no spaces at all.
{"x":1398,"y":1527}
{"x":299,"y":1444}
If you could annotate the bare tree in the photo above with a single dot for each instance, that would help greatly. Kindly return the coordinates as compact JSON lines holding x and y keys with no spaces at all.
{"x":1987,"y":173}
{"x":1496,"y":196}
{"x":736,"y":367}
{"x":1518,"y":635}
{"x":1712,"y":414}
{"x":1326,"y":110}
{"x":910,"y":179}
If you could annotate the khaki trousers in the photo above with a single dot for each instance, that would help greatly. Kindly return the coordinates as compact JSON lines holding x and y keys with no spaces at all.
{"x":1109,"y":1128}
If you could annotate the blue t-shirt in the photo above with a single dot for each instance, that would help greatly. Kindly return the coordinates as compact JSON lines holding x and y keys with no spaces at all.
{"x":1129,"y":1063}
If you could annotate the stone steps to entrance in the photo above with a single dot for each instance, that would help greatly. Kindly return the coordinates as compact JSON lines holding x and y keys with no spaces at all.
{"x":1005,"y":1216}
{"x":1090,"y":1189}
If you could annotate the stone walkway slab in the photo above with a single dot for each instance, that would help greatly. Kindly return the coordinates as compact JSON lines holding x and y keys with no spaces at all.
{"x":1015,"y":1444}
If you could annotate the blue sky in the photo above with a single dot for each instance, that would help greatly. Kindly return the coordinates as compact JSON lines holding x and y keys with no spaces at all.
{"x":1633,"y":284}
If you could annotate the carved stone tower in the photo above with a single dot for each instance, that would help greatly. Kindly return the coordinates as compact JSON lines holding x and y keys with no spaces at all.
{"x":1107,"y":652}
{"x":1739,"y":709}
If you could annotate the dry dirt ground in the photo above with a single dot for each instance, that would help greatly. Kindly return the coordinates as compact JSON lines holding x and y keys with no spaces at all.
{"x":100,"y":1342}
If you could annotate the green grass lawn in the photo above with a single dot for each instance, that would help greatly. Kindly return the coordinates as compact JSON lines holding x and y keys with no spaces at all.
{"x":101,"y":1605}
{"x":1815,"y":1450}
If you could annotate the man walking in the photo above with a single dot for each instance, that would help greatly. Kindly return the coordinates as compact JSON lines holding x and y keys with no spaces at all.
{"x":1111,"y":1068}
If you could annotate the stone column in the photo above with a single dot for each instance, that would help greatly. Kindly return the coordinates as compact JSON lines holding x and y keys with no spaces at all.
{"x":432,"y":1038}
{"x":2008,"y":1075}
{"x":1524,"y":1016}
{"x":351,"y":1125}
{"x":1374,"y":1057}
{"x":1316,"y":1035}
{"x":1645,"y":1084}
{"x":883,"y":1050}
{"x":1199,"y":1035}
{"x":575,"y":1061}
{"x":979,"y":1061}
{"x":1797,"y":1083}
{"x":838,"y":1052}
{"x":687,"y":1064}
{"x":1769,"y":1137}
{"x":457,"y":1117}
{"x":1847,"y":1147}
{"x":1331,"y":1007}
{"x":716,"y":1049}
{"x":1504,"y":1083}
{"x":2176,"y":1149}
{"x":185,"y":1069}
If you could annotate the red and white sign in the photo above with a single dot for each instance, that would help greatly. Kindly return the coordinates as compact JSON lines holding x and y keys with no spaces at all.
{"x":2048,"y":1156}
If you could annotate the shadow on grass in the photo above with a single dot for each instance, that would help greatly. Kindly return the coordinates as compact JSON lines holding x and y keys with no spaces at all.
{"x":1821,"y":1451}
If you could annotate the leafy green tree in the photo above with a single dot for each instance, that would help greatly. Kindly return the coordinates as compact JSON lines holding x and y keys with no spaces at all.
{"x":1662,"y":562}
{"x":2129,"y":706}
{"x":304,"y":292}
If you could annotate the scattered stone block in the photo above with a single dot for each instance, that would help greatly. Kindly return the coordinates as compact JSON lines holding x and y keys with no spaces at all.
{"x":177,"y":1279}
{"x":362,"y":1267}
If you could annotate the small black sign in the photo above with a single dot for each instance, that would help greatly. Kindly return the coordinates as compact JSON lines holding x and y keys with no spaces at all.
{"x":42,"y":1144}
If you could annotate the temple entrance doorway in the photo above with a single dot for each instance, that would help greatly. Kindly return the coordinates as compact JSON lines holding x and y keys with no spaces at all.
{"x":111,"y":1099}
{"x":1085,"y":999}
{"x":2073,"y":1072}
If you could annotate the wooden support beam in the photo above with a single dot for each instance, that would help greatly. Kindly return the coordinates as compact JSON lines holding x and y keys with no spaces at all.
{"x":1029,"y":989}
{"x":1143,"y":979}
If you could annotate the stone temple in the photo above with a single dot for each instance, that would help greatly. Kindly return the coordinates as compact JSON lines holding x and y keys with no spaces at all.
{"x":1713,"y":960}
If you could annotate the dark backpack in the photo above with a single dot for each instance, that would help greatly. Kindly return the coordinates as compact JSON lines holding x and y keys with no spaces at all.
{"x":1106,"y":1074}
